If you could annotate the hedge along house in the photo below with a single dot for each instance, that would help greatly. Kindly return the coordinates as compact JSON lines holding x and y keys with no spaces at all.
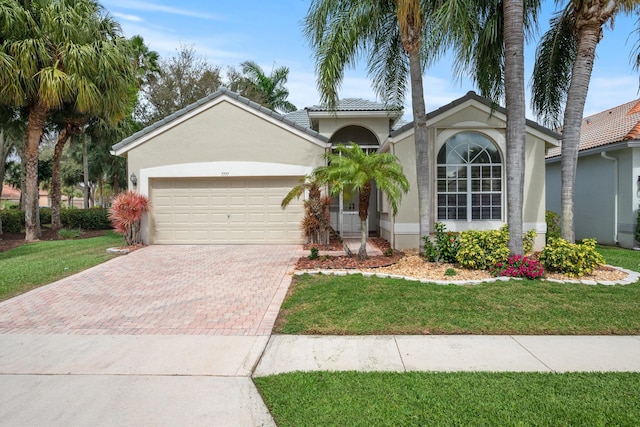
{"x":607,"y":188}
{"x":217,"y":170}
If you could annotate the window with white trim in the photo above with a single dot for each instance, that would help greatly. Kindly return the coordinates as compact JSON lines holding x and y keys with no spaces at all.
{"x":469,"y":183}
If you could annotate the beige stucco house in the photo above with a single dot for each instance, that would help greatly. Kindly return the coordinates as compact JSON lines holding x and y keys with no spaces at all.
{"x":217,"y":170}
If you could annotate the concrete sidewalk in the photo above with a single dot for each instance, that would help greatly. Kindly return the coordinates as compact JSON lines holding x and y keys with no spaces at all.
{"x":288,"y":353}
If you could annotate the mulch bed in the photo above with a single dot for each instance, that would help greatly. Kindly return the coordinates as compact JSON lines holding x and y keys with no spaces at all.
{"x":341,"y":262}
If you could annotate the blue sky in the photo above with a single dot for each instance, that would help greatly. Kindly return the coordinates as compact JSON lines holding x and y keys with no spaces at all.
{"x":227,"y":33}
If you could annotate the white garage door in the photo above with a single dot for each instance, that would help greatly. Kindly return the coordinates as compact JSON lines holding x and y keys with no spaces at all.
{"x":224,"y":210}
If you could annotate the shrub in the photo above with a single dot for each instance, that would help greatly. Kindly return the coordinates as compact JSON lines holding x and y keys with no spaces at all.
{"x":573,"y":259}
{"x":314,"y":253}
{"x":12,"y":221}
{"x":70,"y":234}
{"x":553,"y":225}
{"x":45,"y":216}
{"x":519,"y":266}
{"x":126,"y":213}
{"x":85,"y":219}
{"x":445,"y":246}
{"x":482,"y":250}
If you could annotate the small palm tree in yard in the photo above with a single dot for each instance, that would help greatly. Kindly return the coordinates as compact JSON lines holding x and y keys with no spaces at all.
{"x":350,"y":167}
{"x":126,"y":214}
{"x":316,"y":223}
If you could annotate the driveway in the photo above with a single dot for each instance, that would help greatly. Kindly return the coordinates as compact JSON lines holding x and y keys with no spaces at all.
{"x":166,"y":335}
{"x":162,"y":290}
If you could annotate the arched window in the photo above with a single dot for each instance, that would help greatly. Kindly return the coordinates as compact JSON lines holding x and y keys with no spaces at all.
{"x":469,"y":179}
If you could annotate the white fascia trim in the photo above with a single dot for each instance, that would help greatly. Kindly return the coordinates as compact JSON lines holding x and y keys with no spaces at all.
{"x":219,"y":169}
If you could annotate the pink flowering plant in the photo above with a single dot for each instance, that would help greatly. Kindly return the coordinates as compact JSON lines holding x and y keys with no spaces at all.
{"x":518,"y":266}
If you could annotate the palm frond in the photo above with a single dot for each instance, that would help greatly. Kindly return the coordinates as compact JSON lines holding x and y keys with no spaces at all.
{"x":555,"y":56}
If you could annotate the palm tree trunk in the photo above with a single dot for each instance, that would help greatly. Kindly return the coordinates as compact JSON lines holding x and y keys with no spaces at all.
{"x":588,"y":38}
{"x":363,"y":212}
{"x":516,"y":119}
{"x":37,"y":117}
{"x":63,"y":137}
{"x":423,"y":169}
{"x":85,"y":172}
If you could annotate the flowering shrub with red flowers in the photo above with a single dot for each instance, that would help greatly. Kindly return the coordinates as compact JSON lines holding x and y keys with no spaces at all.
{"x":518,"y":266}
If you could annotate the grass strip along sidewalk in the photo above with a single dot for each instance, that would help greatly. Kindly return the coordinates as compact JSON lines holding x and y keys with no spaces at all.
{"x":354,"y":305}
{"x":452,"y":399}
{"x":40,"y":263}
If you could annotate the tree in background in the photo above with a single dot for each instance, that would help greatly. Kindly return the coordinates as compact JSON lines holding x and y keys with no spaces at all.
{"x":266,"y":90}
{"x":564,"y":62}
{"x":181,"y":80}
{"x":52,"y":56}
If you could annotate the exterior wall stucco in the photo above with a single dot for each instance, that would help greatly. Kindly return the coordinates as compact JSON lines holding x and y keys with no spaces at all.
{"x":225,"y":133}
{"x":595,"y":196}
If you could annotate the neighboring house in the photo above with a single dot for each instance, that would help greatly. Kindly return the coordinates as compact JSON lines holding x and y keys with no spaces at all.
{"x":217,"y":170}
{"x":12,"y":194}
{"x":607,"y":179}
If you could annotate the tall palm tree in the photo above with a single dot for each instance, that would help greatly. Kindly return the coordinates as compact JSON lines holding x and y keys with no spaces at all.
{"x":349,"y":166}
{"x":487,"y":37}
{"x":55,"y":53}
{"x":394,"y":35}
{"x":268,"y":90}
{"x":564,"y":62}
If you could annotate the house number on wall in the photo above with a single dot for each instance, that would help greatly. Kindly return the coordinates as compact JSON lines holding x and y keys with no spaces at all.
{"x":225,"y":173}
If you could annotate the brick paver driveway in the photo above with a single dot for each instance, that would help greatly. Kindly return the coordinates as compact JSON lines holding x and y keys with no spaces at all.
{"x":162,"y":290}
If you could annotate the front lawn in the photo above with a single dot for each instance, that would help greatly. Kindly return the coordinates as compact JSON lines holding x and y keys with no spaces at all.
{"x":357,"y":305}
{"x":465,"y":398}
{"x":39,"y":263}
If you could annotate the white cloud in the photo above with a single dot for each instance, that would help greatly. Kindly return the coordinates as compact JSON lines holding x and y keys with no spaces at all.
{"x":127,"y":17}
{"x":153,"y":7}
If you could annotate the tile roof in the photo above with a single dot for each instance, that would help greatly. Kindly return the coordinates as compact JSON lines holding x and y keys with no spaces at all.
{"x":617,"y":124}
{"x":355,"y":104}
{"x":220,"y":92}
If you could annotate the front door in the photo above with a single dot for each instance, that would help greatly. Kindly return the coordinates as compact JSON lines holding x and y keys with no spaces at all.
{"x":350,"y":217}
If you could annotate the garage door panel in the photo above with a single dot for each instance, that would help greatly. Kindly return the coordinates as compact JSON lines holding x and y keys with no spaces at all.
{"x":224,"y":210}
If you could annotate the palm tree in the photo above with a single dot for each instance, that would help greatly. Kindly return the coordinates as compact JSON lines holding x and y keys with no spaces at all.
{"x":564,"y":62}
{"x":56,"y":53}
{"x":488,"y":39}
{"x":317,"y":225}
{"x":349,"y":166}
{"x":270,"y":90}
{"x":394,"y":35}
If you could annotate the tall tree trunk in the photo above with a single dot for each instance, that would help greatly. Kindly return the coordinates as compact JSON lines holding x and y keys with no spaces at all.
{"x":589,"y":34}
{"x":5,"y":148}
{"x":35,"y":126}
{"x":85,"y":171}
{"x":56,"y":193}
{"x":363,"y":212}
{"x":423,"y":167}
{"x":516,"y":119}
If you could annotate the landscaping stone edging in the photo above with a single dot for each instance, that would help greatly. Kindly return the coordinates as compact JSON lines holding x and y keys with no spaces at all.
{"x":632,"y":277}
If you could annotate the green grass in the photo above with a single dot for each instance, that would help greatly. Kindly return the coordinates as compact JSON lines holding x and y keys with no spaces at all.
{"x":36,"y":264}
{"x":356,"y":305}
{"x":439,"y":399}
